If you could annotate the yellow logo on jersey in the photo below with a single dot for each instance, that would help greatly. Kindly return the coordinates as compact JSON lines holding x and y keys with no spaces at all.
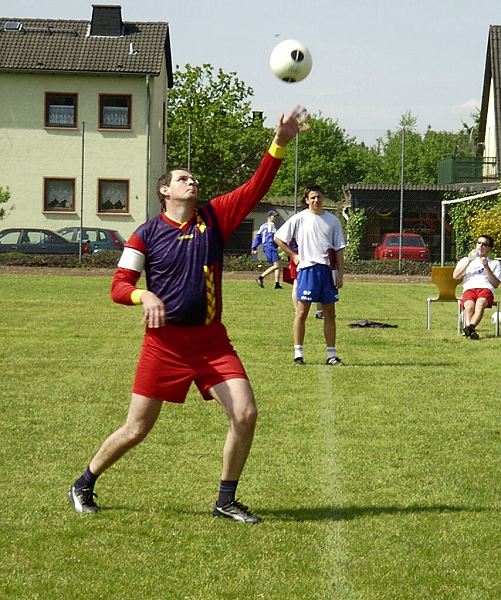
{"x":200,"y":224}
{"x":188,"y":236}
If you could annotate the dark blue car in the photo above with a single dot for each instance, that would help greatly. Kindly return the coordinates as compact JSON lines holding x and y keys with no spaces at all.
{"x":31,"y":240}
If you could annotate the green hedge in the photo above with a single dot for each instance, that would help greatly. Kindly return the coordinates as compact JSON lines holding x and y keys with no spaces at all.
{"x":369,"y":267}
{"x":231,"y":263}
{"x":108,"y":259}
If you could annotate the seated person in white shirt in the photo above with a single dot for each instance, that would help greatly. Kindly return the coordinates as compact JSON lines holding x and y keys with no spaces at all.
{"x":481,"y":276}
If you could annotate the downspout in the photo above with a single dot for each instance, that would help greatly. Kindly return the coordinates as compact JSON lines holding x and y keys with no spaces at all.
{"x":82,"y":173}
{"x":148,"y":146}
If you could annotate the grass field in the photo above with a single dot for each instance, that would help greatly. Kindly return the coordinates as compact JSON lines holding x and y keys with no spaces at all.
{"x":376,"y":480}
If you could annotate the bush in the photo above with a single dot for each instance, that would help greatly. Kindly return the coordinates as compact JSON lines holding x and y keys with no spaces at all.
{"x":242,"y":263}
{"x":355,"y":229}
{"x":387,"y":267}
{"x":364,"y":267}
{"x":108,"y":259}
{"x":101,"y":260}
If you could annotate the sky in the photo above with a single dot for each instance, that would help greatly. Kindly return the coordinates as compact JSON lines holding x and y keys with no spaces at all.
{"x":373,"y":60}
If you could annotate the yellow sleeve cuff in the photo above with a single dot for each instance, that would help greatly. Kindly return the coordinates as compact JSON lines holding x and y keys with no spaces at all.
{"x":276,"y":151}
{"x":136,"y":295}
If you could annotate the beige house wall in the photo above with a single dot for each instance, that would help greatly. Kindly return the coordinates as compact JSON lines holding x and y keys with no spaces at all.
{"x":158,"y":149}
{"x":29,"y":152}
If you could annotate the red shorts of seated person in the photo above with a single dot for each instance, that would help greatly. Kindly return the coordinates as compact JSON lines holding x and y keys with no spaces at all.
{"x":476,"y":293}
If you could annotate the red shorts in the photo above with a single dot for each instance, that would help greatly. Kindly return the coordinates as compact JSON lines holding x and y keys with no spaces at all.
{"x":173,"y":356}
{"x":476,"y":293}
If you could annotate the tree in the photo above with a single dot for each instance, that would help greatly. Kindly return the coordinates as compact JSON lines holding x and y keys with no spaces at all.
{"x":422,"y":153}
{"x":4,"y":198}
{"x":212,"y":127}
{"x":487,"y":221}
{"x":472,"y":218}
{"x":325,"y":157}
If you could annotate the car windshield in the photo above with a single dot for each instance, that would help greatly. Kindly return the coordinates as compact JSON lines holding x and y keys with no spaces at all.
{"x":93,"y":235}
{"x":66,"y":232}
{"x":407,"y":240}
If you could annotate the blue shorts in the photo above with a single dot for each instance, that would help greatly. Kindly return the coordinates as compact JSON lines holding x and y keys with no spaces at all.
{"x":315,"y":284}
{"x":271,"y":253}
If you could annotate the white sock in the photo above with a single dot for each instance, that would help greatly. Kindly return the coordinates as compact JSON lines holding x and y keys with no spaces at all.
{"x":298,"y":351}
{"x":331,"y":352}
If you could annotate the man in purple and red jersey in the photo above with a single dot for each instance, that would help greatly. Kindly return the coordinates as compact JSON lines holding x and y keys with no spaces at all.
{"x":181,"y":252}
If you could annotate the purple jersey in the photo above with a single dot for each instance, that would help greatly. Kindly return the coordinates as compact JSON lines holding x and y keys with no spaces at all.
{"x":183,"y":265}
{"x":183,"y":261}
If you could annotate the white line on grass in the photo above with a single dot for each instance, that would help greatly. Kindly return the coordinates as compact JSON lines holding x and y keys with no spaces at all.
{"x":335,"y":544}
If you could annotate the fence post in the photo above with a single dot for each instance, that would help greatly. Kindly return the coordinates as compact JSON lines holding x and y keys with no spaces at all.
{"x":402,"y":171}
{"x":296,"y":172}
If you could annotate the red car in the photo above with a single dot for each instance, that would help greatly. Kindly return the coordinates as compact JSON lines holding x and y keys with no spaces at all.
{"x":413,"y":247}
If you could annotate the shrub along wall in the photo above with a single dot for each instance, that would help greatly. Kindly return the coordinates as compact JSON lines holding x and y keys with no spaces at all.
{"x":89,"y":261}
{"x":231,"y":263}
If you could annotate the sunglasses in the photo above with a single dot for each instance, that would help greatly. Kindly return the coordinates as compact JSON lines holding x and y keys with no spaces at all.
{"x":484,"y":244}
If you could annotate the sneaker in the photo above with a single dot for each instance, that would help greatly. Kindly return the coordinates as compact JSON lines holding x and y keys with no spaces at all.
{"x":236,"y":511}
{"x":299,"y":360}
{"x":334,"y":361}
{"x":468,"y":330}
{"x":82,"y":499}
{"x":474,"y":335}
{"x":319,"y":315}
{"x":260,"y":281}
{"x":278,"y":286}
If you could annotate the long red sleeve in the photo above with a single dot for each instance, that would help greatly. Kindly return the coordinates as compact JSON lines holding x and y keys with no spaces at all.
{"x":124,"y":283}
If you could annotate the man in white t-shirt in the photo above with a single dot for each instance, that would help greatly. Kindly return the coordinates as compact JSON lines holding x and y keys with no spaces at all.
{"x":320,"y":243}
{"x":481,"y":276}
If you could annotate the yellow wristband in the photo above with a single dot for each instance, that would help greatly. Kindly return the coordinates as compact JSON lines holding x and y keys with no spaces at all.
{"x":136,"y":295}
{"x":276,"y":151}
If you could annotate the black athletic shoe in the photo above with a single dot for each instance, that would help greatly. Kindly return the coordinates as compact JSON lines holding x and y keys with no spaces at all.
{"x":260,"y":281}
{"x":236,"y":511}
{"x":299,"y":360}
{"x":319,"y":315}
{"x":334,"y":361}
{"x":468,"y":330}
{"x":82,"y":499}
{"x":474,"y":335}
{"x":278,"y":286}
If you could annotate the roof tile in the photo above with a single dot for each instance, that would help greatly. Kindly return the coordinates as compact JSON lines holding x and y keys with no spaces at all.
{"x":66,"y":46}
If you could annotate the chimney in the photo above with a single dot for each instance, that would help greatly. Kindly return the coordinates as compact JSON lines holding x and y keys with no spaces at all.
{"x":106,"y":20}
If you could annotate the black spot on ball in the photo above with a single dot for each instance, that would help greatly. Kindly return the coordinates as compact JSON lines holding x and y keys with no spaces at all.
{"x":297,"y":56}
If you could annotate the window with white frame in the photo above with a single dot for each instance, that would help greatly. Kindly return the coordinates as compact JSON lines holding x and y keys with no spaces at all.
{"x":59,"y":195}
{"x":113,"y":196}
{"x":115,"y":111}
{"x":60,"y":110}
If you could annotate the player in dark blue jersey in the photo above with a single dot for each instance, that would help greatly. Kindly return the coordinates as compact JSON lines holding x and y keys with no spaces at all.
{"x":181,"y":253}
{"x":265,"y":237}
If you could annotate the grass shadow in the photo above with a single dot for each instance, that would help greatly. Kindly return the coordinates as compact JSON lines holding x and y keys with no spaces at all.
{"x":349,"y":513}
{"x":336,"y":513}
{"x":399,"y":364}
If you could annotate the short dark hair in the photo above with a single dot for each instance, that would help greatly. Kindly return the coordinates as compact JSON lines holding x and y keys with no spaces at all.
{"x":313,"y":187}
{"x":489,"y":238}
{"x":165,"y":179}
